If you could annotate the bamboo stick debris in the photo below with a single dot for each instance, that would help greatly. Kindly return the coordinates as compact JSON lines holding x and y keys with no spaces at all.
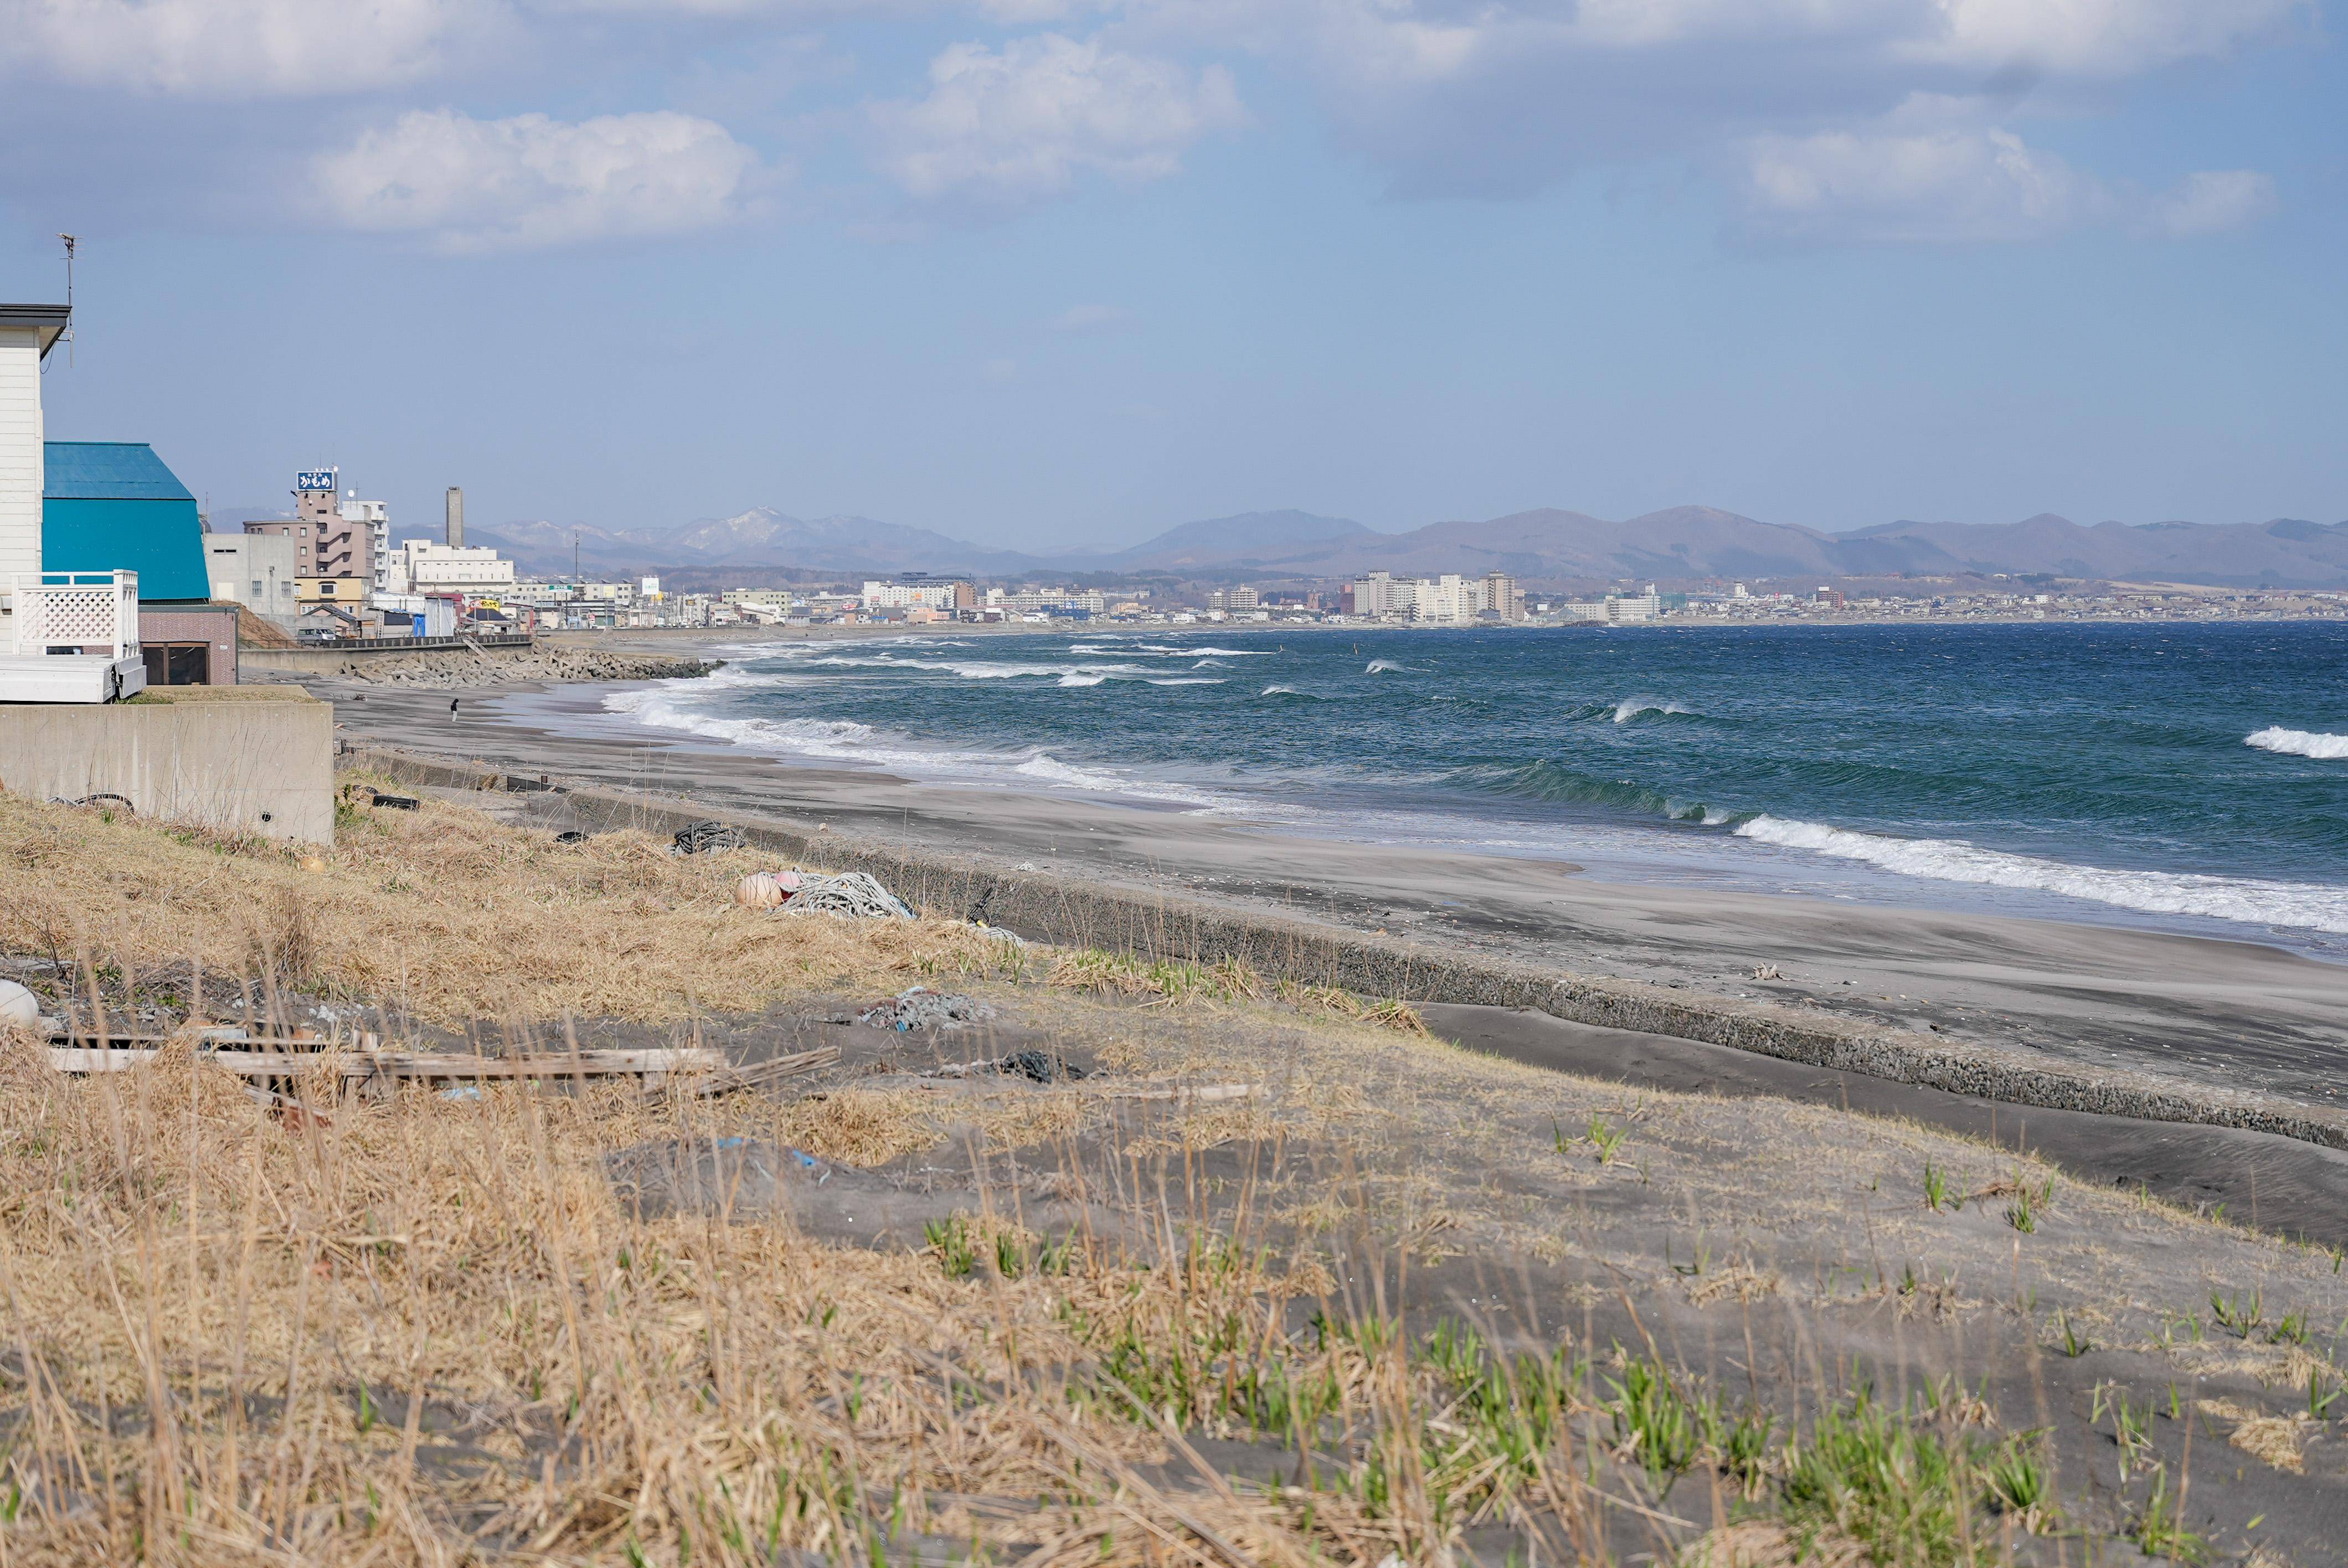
{"x":428,"y":1064}
{"x":735,"y":1080}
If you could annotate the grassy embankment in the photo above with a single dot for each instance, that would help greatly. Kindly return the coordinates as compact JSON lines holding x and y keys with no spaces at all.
{"x":424,"y":1329}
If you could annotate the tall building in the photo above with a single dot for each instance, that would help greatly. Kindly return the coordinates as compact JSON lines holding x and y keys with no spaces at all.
{"x":377,"y":515}
{"x":327,"y":543}
{"x":1378,"y":597}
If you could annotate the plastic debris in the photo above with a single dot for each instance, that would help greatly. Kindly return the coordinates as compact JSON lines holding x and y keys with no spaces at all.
{"x":394,"y":801}
{"x":1036,"y":1066}
{"x":705,"y":838}
{"x":18,"y":1007}
{"x":922,"y":1008}
{"x":571,"y":835}
{"x":767,"y":889}
{"x":849,"y":893}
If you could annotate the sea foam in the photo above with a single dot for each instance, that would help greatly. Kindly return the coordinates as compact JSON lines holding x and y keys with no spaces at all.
{"x":2299,"y":744}
{"x":1630,"y":708}
{"x":2310,"y":906}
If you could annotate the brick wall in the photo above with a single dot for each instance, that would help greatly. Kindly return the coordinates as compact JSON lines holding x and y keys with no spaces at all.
{"x":212,"y":624}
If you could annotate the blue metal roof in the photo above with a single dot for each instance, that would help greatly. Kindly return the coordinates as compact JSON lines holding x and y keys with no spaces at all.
{"x":112,"y":506}
{"x":108,"y":471}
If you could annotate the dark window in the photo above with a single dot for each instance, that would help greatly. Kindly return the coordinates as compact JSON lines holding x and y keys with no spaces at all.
{"x":178,"y":663}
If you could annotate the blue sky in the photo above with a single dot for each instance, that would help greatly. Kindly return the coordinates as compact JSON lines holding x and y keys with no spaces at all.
{"x":1035,"y":271}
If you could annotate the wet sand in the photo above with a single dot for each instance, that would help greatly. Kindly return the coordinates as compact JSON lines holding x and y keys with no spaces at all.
{"x":2235,"y":1015}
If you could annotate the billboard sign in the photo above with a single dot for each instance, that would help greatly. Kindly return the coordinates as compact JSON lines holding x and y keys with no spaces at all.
{"x":317,"y":479}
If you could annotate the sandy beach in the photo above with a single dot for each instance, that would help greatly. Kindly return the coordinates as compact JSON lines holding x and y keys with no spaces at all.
{"x":2238,"y":1015}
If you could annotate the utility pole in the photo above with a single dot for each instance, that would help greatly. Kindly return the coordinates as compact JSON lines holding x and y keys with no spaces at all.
{"x":70,"y":243}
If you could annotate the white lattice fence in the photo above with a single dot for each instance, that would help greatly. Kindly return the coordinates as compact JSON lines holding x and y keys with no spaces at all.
{"x":78,"y":609}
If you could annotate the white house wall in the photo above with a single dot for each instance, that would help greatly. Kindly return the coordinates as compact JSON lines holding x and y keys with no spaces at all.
{"x":21,"y":468}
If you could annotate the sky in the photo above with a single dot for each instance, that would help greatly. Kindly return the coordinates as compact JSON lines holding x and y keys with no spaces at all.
{"x":1040,"y":272}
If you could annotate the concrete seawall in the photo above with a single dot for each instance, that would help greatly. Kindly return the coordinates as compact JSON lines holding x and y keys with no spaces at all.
{"x":1066,"y":911}
{"x":224,"y":757}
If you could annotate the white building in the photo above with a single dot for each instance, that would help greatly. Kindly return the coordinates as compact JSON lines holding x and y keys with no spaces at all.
{"x":93,"y":614}
{"x":909,"y":595}
{"x":1449,"y":600}
{"x":1043,"y":601}
{"x":377,"y":515}
{"x":257,"y":571}
{"x":422,"y":566}
{"x":1615,"y":608}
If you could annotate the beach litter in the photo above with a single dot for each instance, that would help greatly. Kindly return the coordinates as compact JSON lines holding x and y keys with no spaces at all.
{"x":706,"y":838}
{"x":765,"y":889}
{"x":1766,"y":972}
{"x":18,"y":1007}
{"x":922,"y":1008}
{"x":571,"y":835}
{"x":1037,"y":1066}
{"x":854,"y":893}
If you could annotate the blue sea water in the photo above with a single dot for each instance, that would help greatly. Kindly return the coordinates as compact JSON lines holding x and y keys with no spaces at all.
{"x":2186,"y":777}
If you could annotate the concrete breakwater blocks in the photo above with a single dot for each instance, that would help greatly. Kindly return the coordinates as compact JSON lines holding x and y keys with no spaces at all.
{"x":235,"y":763}
{"x":1171,"y":926}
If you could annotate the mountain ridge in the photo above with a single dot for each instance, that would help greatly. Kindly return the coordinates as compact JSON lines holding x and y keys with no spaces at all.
{"x":1677,"y":543}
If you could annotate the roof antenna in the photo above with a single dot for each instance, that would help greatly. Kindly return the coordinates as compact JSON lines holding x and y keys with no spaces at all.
{"x":69,"y":328}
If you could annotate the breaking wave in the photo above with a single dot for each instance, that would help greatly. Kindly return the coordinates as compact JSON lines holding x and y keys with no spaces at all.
{"x":1381,"y":666}
{"x":2261,"y":902}
{"x":1631,"y":708}
{"x":2299,"y":744}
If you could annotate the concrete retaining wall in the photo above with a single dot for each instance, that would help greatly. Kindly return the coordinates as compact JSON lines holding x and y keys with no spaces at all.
{"x":1066,"y":911}
{"x":261,"y":766}
{"x":332,"y":660}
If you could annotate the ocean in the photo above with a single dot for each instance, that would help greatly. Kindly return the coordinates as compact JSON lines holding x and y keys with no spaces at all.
{"x":2189,"y":778}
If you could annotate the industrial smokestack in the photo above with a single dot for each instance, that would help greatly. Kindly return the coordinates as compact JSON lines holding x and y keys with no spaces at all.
{"x":455,"y":517}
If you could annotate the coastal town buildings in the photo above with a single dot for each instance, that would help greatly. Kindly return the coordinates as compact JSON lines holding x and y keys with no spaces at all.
{"x":1449,"y":600}
{"x":918,"y":592}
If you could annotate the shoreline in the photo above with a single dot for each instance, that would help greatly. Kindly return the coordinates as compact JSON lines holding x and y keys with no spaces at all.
{"x":2180,"y":1027}
{"x":1170,"y":924}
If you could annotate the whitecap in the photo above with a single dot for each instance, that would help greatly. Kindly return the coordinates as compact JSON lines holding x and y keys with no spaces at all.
{"x":2309,"y":906}
{"x":1380,"y":666}
{"x":2300,"y":743}
{"x":1630,"y":708}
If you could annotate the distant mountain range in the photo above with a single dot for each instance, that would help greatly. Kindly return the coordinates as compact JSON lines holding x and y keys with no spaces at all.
{"x":1683,"y":544}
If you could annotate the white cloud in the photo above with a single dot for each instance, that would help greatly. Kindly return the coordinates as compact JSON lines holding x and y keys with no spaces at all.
{"x":2214,"y":202}
{"x":1002,"y":127}
{"x":1090,"y":319}
{"x":471,"y":185}
{"x":1948,"y":185}
{"x":1506,"y":97}
{"x":234,"y":49}
{"x":2094,"y":38}
{"x":1928,"y":174}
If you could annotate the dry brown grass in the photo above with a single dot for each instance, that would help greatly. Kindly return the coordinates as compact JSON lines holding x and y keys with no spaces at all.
{"x":448,"y":914}
{"x":218,"y":1321}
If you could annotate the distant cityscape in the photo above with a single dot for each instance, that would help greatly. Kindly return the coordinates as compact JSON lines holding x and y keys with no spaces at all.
{"x":329,"y":571}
